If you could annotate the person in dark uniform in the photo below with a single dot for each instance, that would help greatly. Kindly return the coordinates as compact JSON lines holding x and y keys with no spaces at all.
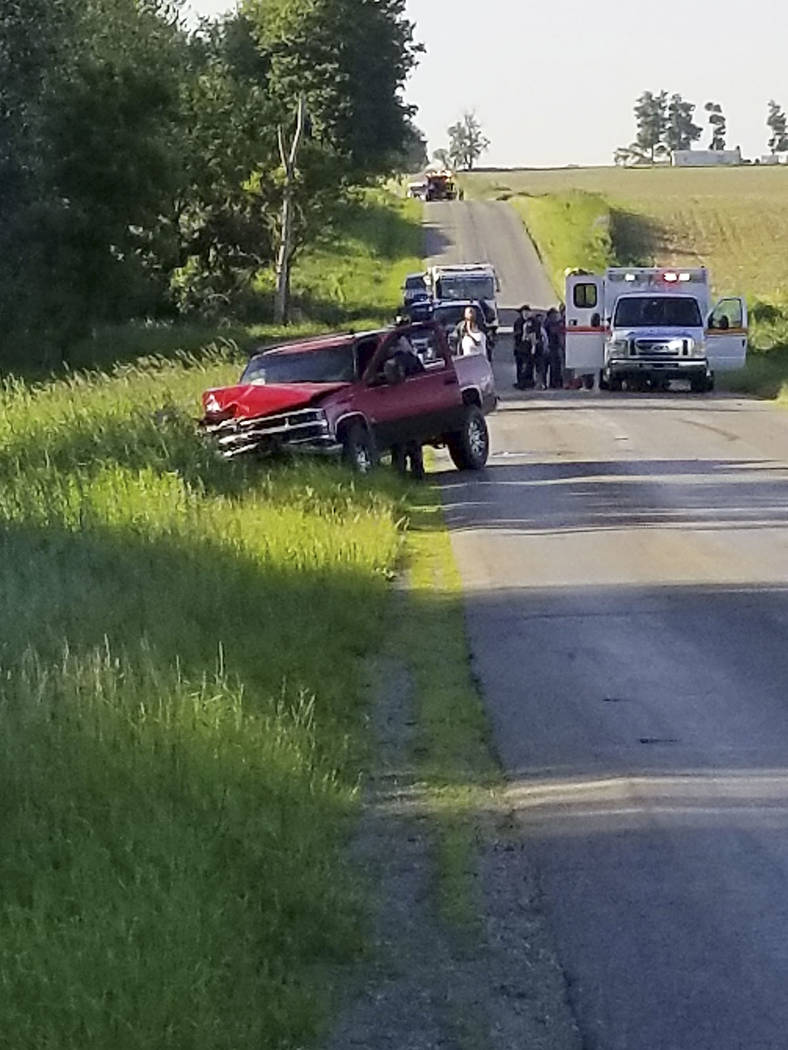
{"x":537,"y":341}
{"x":523,"y":361}
{"x":554,"y":331}
{"x":403,"y":359}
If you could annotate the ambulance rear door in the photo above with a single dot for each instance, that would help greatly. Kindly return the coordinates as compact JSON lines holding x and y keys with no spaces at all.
{"x":585,"y":328}
{"x":726,"y":335}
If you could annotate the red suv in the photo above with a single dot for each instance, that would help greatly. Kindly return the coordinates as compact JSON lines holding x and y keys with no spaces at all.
{"x":357,"y":395}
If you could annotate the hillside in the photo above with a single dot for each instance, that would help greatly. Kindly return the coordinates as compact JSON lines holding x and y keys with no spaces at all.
{"x":734,"y":221}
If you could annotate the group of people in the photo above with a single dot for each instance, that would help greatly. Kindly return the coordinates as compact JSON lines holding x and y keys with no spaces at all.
{"x":539,"y":348}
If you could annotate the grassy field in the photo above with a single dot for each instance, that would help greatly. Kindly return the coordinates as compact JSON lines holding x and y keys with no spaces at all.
{"x":182,"y":712}
{"x":733,"y":221}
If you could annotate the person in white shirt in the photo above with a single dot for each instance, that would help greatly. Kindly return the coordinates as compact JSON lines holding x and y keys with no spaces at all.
{"x":472,"y":339}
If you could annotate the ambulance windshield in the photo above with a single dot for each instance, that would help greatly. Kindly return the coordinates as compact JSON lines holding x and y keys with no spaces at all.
{"x":663,"y":311}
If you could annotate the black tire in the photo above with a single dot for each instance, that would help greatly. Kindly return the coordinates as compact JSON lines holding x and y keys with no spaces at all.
{"x":701,"y":384}
{"x":615,"y":383}
{"x":358,"y":449}
{"x":469,"y":447}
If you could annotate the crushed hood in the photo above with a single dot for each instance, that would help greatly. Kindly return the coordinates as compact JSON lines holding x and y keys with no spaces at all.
{"x":248,"y":401}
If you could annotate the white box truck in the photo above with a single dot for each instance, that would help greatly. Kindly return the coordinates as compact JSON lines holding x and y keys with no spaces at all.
{"x":476,"y":281}
{"x":643,"y":326}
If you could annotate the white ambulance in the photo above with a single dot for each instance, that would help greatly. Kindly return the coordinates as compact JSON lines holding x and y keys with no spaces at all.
{"x":645,"y":326}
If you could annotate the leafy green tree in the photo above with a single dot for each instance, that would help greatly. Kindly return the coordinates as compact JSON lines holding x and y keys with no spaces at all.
{"x":88,"y":114}
{"x":777,"y":123}
{"x":680,"y":129}
{"x":651,"y":118}
{"x":356,"y":122}
{"x":718,"y":125}
{"x":467,"y":142}
{"x":414,"y":156}
{"x":441,"y":157}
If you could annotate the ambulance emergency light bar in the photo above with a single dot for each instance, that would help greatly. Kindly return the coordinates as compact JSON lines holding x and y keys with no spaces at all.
{"x":653,"y":277}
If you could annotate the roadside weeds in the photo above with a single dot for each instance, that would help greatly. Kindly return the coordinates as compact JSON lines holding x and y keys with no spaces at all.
{"x":461,"y":952}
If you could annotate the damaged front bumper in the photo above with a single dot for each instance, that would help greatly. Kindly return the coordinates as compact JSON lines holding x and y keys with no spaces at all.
{"x":302,"y":430}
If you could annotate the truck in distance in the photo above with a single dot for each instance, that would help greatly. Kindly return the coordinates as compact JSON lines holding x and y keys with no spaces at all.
{"x":645,"y":326}
{"x":440,"y":186}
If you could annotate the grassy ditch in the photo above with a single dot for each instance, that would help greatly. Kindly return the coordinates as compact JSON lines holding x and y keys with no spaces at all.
{"x":180,"y":706}
{"x":452,"y":745}
{"x":574,"y":226}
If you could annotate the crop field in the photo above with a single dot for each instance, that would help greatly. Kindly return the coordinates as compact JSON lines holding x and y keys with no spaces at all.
{"x":734,"y":221}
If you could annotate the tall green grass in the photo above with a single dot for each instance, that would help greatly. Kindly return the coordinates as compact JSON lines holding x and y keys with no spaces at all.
{"x":182,"y":719}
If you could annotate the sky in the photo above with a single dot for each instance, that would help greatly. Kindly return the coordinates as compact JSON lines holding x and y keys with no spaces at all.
{"x":555,"y":83}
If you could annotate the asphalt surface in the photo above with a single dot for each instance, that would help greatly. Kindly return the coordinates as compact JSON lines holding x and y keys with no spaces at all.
{"x":625,"y":562}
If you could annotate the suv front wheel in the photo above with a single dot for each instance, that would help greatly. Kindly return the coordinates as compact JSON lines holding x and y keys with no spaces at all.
{"x":469,"y":447}
{"x":358,"y":449}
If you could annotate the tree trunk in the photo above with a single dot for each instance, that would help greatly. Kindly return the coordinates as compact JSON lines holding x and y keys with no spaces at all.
{"x":284,"y":255}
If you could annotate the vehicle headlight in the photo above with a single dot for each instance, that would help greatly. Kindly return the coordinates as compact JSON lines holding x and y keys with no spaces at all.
{"x":618,"y":347}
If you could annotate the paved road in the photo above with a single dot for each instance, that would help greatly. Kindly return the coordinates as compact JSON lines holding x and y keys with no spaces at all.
{"x":489,"y":231}
{"x":625,"y":559}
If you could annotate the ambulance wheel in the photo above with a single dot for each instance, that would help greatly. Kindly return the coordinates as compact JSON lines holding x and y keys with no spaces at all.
{"x":615,"y":383}
{"x":701,"y":384}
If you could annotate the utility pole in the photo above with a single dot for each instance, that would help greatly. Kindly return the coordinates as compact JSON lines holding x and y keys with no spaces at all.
{"x":284,"y":255}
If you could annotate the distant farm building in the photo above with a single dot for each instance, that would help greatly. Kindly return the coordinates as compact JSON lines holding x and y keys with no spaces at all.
{"x":706,"y":158}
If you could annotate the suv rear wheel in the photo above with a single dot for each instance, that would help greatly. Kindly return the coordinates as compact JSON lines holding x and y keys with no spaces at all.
{"x":469,"y":447}
{"x":358,"y":449}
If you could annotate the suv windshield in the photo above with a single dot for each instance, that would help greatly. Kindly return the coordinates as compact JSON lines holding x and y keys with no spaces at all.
{"x":334,"y":364}
{"x":664,"y":311}
{"x":465,"y":286}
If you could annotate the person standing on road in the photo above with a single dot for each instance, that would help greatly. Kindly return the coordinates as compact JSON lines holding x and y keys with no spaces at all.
{"x":538,"y":346}
{"x":523,"y":361}
{"x":554,"y":332}
{"x":470,"y":338}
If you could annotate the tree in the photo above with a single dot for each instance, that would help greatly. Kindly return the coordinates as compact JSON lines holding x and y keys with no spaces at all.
{"x":680,"y":130}
{"x":442,"y":158}
{"x":718,"y":125}
{"x":413,"y":157}
{"x":467,"y":142}
{"x":777,"y":123}
{"x":289,"y":156}
{"x":651,"y":119}
{"x":358,"y":122}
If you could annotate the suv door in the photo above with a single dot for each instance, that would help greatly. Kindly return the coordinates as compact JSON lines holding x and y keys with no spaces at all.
{"x":423,"y":405}
{"x":726,"y":335}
